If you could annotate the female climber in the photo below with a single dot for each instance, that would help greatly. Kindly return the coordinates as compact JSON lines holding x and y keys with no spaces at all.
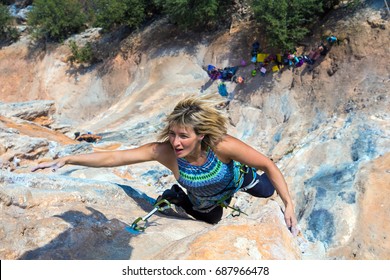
{"x":206,"y":161}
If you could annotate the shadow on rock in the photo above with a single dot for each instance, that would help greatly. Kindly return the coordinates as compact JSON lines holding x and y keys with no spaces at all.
{"x":90,"y":237}
{"x":146,"y":203}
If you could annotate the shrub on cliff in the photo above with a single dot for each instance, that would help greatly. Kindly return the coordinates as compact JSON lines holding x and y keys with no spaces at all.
{"x":286,"y":22}
{"x":56,"y":19}
{"x":81,"y":54}
{"x":5,"y":18}
{"x":191,"y":14}
{"x":111,"y":13}
{"x":8,"y":33}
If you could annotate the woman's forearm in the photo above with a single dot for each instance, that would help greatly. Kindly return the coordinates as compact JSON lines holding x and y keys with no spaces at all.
{"x":104,"y":159}
{"x":98,"y":159}
{"x":280,"y":184}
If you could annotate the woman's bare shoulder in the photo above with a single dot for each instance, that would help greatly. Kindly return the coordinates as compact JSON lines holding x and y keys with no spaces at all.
{"x":228,"y":142}
{"x":163,"y":147}
{"x":233,"y":148}
{"x":156,"y":149}
{"x":225,"y":148}
{"x":167,"y":157}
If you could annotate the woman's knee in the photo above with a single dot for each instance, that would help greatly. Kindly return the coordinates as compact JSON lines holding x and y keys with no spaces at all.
{"x":263,"y":188}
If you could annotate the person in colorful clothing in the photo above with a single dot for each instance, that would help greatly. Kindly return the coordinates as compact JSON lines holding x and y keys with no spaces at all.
{"x":206,"y":161}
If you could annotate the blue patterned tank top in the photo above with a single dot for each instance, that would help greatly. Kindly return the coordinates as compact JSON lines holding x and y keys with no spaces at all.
{"x":208,"y":183}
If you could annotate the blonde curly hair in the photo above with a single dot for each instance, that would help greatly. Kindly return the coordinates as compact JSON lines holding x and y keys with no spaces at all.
{"x":200,"y":113}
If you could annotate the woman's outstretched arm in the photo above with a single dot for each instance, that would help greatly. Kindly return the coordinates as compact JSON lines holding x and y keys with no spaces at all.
{"x":147,"y":152}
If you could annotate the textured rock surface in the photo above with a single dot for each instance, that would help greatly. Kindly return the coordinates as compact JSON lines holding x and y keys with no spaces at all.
{"x":370,"y":239}
{"x":58,"y":217}
{"x":36,"y":111}
{"x":262,"y":236}
{"x":327,"y":127}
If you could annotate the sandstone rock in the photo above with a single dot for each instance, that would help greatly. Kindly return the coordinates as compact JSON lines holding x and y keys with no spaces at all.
{"x":325,"y":125}
{"x":376,"y":22}
{"x":369,"y":239}
{"x":262,"y":236}
{"x":13,"y":127}
{"x":57,"y":217}
{"x":39,"y":111}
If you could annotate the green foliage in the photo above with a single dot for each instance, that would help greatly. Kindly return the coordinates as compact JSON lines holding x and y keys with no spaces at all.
{"x":112,"y":13}
{"x":5,"y":18}
{"x":286,"y":22}
{"x":329,"y":4}
{"x":354,"y":4}
{"x":56,"y":19}
{"x":194,"y":14}
{"x":7,"y":31}
{"x":81,"y":54}
{"x":152,"y":9}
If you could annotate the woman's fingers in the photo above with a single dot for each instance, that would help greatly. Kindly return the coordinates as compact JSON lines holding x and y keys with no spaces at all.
{"x":54,"y":165}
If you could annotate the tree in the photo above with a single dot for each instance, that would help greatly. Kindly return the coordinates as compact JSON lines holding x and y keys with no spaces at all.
{"x":194,"y":14}
{"x":56,"y":19}
{"x":111,"y":13}
{"x":5,"y":18}
{"x":286,"y":22}
{"x":8,"y":33}
{"x":81,"y":54}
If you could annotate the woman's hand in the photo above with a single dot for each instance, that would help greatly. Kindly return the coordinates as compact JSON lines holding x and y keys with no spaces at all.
{"x":54,"y":165}
{"x":291,"y":220}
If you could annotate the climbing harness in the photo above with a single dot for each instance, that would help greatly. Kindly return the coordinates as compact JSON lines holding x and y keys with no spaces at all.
{"x":159,"y":206}
{"x":239,"y":171}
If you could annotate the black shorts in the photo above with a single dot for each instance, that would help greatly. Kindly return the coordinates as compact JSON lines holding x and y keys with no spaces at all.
{"x":261,"y":188}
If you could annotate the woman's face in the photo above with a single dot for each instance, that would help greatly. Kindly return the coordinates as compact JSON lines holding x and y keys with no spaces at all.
{"x":184,"y":140}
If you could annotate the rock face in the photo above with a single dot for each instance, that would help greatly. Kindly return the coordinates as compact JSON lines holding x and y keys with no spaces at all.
{"x":87,"y":219}
{"x":370,"y":241}
{"x":31,"y":110}
{"x":262,"y":236}
{"x":327,"y":126}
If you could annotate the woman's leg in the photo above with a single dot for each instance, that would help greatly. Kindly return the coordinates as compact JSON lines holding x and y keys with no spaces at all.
{"x":178,"y":197}
{"x":212,"y":217}
{"x":263,"y":187}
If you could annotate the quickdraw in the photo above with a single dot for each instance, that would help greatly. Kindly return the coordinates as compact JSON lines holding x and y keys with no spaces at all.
{"x":159,"y":206}
{"x":236,"y":210}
